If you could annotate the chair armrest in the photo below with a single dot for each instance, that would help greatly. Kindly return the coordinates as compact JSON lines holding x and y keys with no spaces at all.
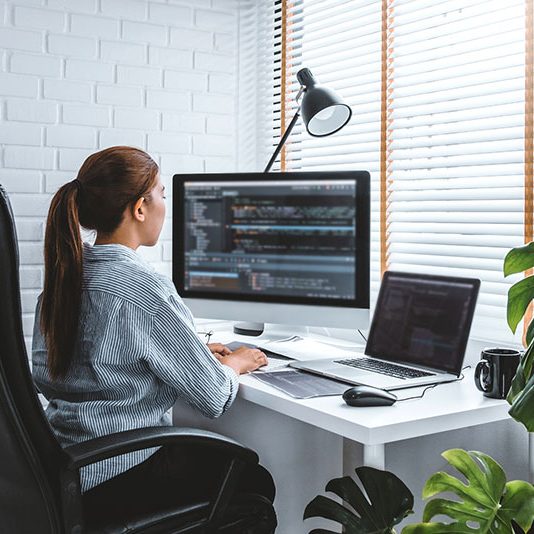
{"x":95,"y":450}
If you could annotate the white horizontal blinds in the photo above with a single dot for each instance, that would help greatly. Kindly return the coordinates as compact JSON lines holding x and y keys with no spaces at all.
{"x":385,"y":130}
{"x":529,"y":136}
{"x":250,"y":96}
{"x":457,"y":144}
{"x":340,"y":42}
{"x":268,"y":70}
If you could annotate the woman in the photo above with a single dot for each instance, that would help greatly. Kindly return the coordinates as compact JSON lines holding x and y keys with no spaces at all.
{"x":114,"y":346}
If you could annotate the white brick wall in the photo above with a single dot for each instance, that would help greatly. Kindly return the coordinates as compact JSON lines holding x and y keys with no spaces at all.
{"x":80,"y":75}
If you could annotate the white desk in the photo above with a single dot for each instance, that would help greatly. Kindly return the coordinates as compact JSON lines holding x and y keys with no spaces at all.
{"x":304,"y":443}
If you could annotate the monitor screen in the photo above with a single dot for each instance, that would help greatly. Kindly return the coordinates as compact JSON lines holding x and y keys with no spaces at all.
{"x":291,"y":238}
{"x":423,"y":319}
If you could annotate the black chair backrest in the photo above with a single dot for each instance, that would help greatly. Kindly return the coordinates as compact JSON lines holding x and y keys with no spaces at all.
{"x":30,"y":455}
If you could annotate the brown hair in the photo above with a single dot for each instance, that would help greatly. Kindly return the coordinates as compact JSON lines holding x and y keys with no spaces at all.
{"x":107,"y":183}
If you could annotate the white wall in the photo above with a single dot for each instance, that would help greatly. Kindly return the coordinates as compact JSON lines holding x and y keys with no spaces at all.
{"x":80,"y":75}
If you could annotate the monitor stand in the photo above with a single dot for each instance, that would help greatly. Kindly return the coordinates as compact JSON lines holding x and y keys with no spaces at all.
{"x":249,"y":329}
{"x":246,"y":328}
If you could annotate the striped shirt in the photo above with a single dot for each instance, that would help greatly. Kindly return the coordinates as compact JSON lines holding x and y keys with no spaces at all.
{"x":136,"y":353}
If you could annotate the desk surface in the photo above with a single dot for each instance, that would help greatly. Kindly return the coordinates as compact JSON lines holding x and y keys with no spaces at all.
{"x":443,"y":408}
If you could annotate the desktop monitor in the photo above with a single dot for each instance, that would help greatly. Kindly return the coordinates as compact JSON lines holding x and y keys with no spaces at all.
{"x":287,"y":248}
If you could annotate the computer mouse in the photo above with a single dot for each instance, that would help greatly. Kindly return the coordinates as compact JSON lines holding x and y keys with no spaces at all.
{"x":368,"y":396}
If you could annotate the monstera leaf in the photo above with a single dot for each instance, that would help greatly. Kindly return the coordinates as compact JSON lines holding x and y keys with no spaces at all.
{"x":521,"y":394}
{"x":387,"y":503}
{"x":519,"y":259}
{"x":486,"y":504}
{"x":520,"y":295}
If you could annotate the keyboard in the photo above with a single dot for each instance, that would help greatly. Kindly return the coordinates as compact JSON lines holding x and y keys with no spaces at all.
{"x":274,"y":361}
{"x":384,"y":368}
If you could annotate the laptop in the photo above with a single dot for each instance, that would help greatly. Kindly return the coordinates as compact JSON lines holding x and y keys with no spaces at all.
{"x":418,"y":334}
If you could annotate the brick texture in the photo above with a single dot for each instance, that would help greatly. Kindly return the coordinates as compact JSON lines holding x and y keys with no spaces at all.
{"x":77,"y":76}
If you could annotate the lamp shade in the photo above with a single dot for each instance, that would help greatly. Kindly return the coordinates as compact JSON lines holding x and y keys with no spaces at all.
{"x":322,"y":110}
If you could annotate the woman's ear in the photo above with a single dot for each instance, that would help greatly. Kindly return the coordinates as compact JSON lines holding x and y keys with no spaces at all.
{"x":138,"y":210}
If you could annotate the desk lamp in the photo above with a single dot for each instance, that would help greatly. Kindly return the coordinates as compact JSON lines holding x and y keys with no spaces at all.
{"x":322,"y":110}
{"x":323,"y":113}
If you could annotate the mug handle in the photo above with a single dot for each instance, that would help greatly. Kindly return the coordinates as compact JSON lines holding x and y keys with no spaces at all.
{"x":481,"y":384}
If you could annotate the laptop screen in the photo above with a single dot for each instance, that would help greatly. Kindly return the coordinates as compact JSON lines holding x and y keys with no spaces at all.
{"x":423,"y":320}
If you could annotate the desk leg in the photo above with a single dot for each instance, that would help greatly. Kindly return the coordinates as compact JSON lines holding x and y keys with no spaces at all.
{"x":375,"y":456}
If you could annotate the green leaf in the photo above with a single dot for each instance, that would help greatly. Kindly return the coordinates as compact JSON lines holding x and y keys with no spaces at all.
{"x":523,"y":404}
{"x":484,"y":489}
{"x":350,"y":493}
{"x":329,"y":509}
{"x":530,"y":333}
{"x":522,"y":374}
{"x":386,"y":502}
{"x":389,"y":495}
{"x":519,"y":297}
{"x":440,"y":482}
{"x":491,"y":481}
{"x":437,"y":528}
{"x":519,"y":259}
{"x":516,"y":505}
{"x":486,"y":504}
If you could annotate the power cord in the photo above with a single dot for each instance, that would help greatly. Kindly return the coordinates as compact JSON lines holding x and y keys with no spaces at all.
{"x":360,"y":332}
{"x":432,"y":386}
{"x":418,"y":396}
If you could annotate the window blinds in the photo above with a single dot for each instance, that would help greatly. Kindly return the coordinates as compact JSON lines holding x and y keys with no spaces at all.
{"x":456,"y":145}
{"x":348,"y":61}
{"x":437,"y":89}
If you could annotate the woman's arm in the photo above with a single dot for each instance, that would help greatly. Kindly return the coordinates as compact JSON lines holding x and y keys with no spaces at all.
{"x":182,"y":360}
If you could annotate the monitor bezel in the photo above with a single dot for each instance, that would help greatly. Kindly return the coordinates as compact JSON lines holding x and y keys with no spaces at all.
{"x":362,"y":283}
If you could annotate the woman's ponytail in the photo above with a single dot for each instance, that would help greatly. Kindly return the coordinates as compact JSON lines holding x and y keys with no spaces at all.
{"x":108,"y":183}
{"x":63,"y":260}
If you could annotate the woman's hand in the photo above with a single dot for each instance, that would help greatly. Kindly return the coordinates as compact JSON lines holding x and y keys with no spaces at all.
{"x":218,"y":349}
{"x":244,"y":360}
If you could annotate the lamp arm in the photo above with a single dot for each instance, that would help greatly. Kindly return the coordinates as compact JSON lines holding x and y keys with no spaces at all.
{"x":282,"y":141}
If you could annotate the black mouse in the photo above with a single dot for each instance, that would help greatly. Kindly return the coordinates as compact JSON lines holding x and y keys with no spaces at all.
{"x":368,"y":396}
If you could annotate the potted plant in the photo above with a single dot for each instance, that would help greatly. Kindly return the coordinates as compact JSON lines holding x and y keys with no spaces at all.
{"x":486,"y":504}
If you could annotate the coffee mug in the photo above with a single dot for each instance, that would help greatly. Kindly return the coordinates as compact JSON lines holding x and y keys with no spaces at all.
{"x":495,"y":371}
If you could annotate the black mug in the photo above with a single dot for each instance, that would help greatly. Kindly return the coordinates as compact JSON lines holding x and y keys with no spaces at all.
{"x":495,"y":371}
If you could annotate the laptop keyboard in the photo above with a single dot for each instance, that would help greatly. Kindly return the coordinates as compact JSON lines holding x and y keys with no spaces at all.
{"x":384,"y":368}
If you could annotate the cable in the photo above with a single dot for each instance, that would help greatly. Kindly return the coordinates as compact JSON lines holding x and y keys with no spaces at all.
{"x":461,"y":377}
{"x":419,"y":396}
{"x":207,"y":335}
{"x":360,"y":332}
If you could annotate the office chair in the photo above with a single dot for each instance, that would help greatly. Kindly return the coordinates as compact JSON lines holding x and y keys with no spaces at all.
{"x":39,"y":480}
